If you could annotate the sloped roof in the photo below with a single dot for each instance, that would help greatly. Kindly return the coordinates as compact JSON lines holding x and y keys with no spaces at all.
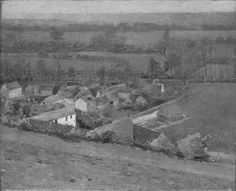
{"x":119,"y":87}
{"x":93,"y":89}
{"x":102,"y":100}
{"x":83,"y":91}
{"x":69,"y":91}
{"x":12,"y":85}
{"x":88,"y":98}
{"x":52,"y":115}
{"x":54,"y":98}
{"x":113,"y":95}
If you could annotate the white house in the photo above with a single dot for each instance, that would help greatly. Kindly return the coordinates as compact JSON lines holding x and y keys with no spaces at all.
{"x":64,"y":116}
{"x":12,"y":90}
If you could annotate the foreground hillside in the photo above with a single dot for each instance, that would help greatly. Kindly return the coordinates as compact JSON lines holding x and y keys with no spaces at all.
{"x":33,"y":161}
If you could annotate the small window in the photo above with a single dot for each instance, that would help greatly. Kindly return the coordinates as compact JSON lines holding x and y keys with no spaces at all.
{"x":55,"y":120}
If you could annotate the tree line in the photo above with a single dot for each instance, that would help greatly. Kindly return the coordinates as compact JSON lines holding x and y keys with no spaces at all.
{"x":123,"y":27}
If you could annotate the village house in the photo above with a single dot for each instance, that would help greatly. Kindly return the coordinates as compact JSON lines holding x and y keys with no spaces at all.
{"x":83,"y":91}
{"x":113,"y":98}
{"x":102,"y":102}
{"x":86,"y":103}
{"x":64,"y":116}
{"x":95,"y":90}
{"x":53,"y":99}
{"x":43,"y":89}
{"x":11,"y":90}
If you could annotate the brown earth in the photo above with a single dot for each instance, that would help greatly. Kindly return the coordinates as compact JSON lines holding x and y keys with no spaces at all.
{"x":35,"y":161}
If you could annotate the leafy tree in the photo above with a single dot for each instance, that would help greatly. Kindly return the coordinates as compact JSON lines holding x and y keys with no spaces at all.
{"x":41,"y":67}
{"x":71,"y":71}
{"x":56,"y":34}
{"x":55,"y":89}
{"x":101,"y":73}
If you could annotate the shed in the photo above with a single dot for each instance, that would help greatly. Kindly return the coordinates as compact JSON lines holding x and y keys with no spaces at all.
{"x":12,"y":90}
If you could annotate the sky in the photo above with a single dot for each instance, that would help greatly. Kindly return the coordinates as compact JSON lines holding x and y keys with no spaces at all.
{"x":18,"y":8}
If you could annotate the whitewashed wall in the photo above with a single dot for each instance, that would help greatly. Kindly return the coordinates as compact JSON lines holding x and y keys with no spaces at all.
{"x":69,"y":120}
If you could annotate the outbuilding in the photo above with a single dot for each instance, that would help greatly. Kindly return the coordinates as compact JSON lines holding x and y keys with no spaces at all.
{"x":11,"y":90}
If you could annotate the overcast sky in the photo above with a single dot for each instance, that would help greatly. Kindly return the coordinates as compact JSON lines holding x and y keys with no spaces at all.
{"x":16,"y":8}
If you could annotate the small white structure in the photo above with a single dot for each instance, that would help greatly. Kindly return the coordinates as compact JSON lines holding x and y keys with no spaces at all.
{"x":64,"y":116}
{"x":12,"y":90}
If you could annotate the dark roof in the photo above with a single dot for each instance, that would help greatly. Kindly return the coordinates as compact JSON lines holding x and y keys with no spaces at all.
{"x":13,"y":85}
{"x":93,"y":89}
{"x":54,"y":98}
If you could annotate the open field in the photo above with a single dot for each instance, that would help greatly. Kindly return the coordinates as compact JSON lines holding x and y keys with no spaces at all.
{"x":35,"y":161}
{"x":142,"y":39}
{"x":211,"y":111}
{"x":138,"y":62}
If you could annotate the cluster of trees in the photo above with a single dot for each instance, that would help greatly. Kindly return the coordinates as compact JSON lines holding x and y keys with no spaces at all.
{"x":121,"y":72}
{"x":124,"y":27}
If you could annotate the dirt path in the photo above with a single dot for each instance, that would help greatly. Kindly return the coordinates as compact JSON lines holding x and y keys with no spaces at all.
{"x":31,"y":160}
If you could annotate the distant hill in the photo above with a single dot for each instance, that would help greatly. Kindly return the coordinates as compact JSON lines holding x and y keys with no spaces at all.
{"x":183,"y":19}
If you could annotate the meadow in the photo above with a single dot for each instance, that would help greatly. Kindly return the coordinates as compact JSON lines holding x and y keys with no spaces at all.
{"x":140,"y":39}
{"x":138,"y":62}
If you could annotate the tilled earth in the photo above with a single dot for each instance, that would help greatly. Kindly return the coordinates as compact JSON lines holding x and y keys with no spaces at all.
{"x":35,"y":161}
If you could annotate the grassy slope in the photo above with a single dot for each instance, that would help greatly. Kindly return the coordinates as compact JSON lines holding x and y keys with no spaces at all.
{"x":212,"y":112}
{"x":35,"y":161}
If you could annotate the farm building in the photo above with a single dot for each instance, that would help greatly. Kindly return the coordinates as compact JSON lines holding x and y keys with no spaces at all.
{"x":38,"y":90}
{"x":83,"y":91}
{"x":53,"y":99}
{"x":43,"y":90}
{"x":86,"y":104}
{"x":11,"y":90}
{"x":113,"y":98}
{"x":95,"y":90}
{"x":102,"y":101}
{"x":64,"y":116}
